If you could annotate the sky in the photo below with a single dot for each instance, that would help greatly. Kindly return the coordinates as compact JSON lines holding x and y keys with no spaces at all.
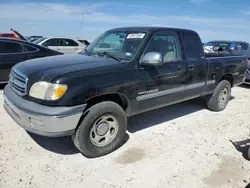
{"x":212,"y":19}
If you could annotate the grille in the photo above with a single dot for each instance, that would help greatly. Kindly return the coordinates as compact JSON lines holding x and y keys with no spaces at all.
{"x":18,"y":82}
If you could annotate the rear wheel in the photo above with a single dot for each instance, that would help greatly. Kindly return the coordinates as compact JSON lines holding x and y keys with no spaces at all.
{"x":220,"y":97}
{"x":102,"y":130}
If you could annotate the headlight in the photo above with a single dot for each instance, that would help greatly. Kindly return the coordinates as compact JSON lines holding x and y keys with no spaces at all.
{"x":47,"y":91}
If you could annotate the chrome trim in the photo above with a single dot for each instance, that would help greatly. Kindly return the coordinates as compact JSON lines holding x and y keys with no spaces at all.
{"x":18,"y":82}
{"x":160,"y":93}
{"x":174,"y":90}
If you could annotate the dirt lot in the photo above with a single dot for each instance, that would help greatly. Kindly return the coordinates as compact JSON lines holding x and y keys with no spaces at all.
{"x":182,"y":145}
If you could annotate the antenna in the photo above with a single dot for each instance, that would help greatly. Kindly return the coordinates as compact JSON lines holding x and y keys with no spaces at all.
{"x":81,"y":23}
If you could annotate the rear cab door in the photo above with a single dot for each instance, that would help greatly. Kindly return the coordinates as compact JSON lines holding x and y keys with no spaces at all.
{"x":196,"y":64}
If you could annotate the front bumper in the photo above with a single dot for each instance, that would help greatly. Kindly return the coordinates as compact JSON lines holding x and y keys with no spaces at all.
{"x":39,"y":119}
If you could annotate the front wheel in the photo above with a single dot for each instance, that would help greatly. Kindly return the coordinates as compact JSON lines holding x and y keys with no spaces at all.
{"x":102,"y":130}
{"x":220,"y":97}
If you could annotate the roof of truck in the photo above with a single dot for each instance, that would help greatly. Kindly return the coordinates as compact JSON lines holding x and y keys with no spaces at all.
{"x":150,"y":28}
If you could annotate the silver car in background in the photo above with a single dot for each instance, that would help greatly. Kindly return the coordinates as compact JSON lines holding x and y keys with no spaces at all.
{"x":62,"y":44}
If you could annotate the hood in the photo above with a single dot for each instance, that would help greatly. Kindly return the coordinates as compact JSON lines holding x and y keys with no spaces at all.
{"x":48,"y":68}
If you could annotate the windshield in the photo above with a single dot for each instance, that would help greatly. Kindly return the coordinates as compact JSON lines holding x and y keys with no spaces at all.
{"x":39,"y":40}
{"x":223,"y":45}
{"x":121,"y":44}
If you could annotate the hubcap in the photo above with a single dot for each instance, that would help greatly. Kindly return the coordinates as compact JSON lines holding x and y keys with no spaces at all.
{"x":104,"y":130}
{"x":223,"y":96}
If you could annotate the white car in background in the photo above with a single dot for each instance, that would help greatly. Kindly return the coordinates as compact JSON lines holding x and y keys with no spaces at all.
{"x":62,"y":44}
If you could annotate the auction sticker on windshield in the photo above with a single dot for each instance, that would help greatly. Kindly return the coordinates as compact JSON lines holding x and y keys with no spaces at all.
{"x":136,"y":36}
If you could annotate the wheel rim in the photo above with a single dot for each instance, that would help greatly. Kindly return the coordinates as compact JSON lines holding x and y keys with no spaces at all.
{"x":223,"y":96}
{"x":104,"y":130}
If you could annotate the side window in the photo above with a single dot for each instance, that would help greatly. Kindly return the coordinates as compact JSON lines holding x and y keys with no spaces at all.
{"x":245,"y":46}
{"x":192,"y":46}
{"x":52,"y":42}
{"x":29,"y":48}
{"x":68,"y":42}
{"x":167,"y":44}
{"x":10,"y":47}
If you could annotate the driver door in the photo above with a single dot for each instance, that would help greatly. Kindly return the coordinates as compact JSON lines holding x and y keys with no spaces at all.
{"x":163,"y":84}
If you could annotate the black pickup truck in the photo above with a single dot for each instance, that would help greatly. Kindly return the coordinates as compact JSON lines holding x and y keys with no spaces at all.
{"x":125,"y":71}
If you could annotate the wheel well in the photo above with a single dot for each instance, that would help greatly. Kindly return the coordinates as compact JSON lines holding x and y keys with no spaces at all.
{"x":117,"y":98}
{"x":228,"y":77}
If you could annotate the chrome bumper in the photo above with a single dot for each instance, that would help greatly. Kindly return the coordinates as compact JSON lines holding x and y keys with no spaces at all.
{"x":40,"y":119}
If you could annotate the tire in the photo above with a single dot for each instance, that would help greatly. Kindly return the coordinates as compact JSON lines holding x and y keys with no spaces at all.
{"x":91,"y":143}
{"x":215,"y":102}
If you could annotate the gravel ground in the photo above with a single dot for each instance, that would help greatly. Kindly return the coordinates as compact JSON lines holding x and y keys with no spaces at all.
{"x":183,"y":145}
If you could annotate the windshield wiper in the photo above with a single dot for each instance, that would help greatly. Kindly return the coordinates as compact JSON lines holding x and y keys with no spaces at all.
{"x":111,"y":56}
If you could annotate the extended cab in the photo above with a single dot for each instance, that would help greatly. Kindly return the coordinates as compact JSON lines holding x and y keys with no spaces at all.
{"x":125,"y":71}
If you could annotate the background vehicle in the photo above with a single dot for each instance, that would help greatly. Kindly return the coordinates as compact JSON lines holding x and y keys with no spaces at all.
{"x":235,"y":47}
{"x":13,"y":51}
{"x":247,"y":75}
{"x":9,"y":35}
{"x":125,"y":71}
{"x":230,"y":48}
{"x":33,"y":38}
{"x":61,"y":44}
{"x":85,"y":42}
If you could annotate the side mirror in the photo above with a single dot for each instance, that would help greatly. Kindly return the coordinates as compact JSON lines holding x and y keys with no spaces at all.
{"x":152,"y":59}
